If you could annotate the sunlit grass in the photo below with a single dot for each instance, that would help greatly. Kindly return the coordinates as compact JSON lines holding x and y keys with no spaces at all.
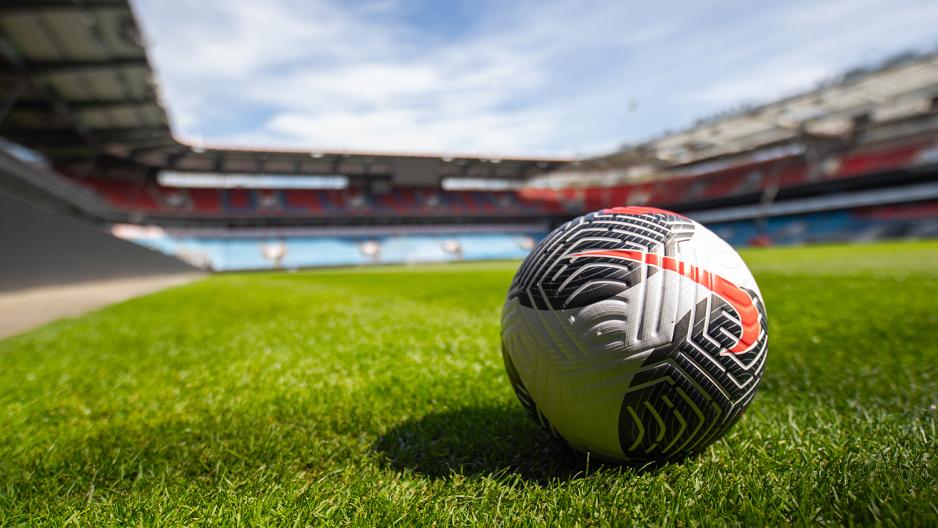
{"x":378,"y":397}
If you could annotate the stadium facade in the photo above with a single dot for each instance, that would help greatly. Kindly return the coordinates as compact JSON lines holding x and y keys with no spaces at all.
{"x":86,"y":134}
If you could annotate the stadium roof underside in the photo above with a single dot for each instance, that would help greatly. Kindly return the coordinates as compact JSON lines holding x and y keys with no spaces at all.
{"x":76,"y":86}
{"x":905,"y":87}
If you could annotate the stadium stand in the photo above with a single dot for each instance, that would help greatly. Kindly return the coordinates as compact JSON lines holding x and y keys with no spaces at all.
{"x":832,"y":163}
{"x":684,"y":193}
{"x":151,"y":197}
{"x":677,"y":191}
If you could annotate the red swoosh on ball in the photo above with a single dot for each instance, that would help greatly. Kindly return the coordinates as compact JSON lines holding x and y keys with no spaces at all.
{"x":639,"y":210}
{"x":741,"y":301}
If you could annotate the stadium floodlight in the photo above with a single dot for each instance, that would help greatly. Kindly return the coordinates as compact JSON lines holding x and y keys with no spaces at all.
{"x":634,"y":334}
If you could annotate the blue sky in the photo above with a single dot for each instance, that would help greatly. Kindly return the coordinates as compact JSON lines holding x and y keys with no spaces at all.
{"x":498,"y":77}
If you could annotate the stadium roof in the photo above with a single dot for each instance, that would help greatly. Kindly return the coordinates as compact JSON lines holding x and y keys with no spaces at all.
{"x":76,"y":84}
{"x":898,"y":89}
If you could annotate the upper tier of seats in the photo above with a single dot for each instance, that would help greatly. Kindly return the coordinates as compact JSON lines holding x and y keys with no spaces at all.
{"x":152,"y":198}
{"x":742,"y":179}
{"x":675,"y":191}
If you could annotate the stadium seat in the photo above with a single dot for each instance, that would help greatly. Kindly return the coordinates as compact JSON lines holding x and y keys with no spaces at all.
{"x":303,"y":201}
{"x":124,"y":194}
{"x":239,"y":199}
{"x":877,"y":161}
{"x":205,"y":201}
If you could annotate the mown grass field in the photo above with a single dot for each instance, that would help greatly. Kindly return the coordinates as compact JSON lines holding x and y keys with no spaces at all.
{"x":378,"y":397}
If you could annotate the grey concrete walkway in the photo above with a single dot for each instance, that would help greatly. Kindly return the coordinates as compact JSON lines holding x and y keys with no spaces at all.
{"x":26,"y":309}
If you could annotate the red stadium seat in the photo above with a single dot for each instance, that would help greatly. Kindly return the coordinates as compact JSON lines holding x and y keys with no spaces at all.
{"x":303,"y":200}
{"x":877,"y":161}
{"x":124,"y":194}
{"x":205,"y":201}
{"x":792,"y":173}
{"x":238,"y":199}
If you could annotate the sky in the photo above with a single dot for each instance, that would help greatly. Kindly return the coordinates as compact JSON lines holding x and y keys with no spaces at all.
{"x":498,"y":77}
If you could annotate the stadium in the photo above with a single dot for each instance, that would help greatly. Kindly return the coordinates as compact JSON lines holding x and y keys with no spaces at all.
{"x":198,"y":333}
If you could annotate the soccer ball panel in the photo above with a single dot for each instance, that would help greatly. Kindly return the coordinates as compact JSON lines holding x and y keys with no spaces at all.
{"x":634,"y":334}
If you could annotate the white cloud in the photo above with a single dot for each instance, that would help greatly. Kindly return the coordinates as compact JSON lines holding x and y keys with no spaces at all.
{"x":405,"y":130}
{"x":559,"y":77}
{"x":818,"y":41}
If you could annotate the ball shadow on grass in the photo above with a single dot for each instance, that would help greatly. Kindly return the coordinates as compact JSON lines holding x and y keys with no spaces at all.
{"x":486,"y":441}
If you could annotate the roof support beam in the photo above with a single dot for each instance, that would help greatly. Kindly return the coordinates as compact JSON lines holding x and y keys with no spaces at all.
{"x":34,"y":138}
{"x":73,"y":67}
{"x":172,"y":160}
{"x":466,"y":167}
{"x":526,"y":170}
{"x":60,"y":105}
{"x":31,"y":7}
{"x":115,"y":133}
{"x":156,"y":144}
{"x":11,"y":96}
{"x":97,"y":104}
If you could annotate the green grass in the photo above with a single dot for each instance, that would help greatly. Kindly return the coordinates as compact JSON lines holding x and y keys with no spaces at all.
{"x":378,"y":397}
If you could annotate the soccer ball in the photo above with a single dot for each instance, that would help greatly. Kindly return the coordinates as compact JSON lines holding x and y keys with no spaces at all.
{"x":634,"y":334}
